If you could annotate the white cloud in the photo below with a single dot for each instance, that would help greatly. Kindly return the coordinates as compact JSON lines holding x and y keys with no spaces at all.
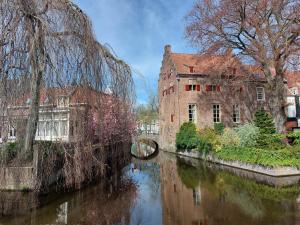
{"x":137,"y":30}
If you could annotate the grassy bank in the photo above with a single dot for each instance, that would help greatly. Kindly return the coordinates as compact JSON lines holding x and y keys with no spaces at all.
{"x":271,"y":158}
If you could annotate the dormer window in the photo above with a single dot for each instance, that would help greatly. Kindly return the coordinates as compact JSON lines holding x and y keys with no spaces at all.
{"x":191,"y":69}
{"x":63,"y":101}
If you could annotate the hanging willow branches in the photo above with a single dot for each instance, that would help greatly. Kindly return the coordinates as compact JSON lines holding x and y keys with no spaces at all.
{"x":50,"y":45}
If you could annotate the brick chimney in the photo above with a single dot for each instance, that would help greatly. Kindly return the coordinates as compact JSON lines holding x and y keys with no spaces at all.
{"x":168,"y":49}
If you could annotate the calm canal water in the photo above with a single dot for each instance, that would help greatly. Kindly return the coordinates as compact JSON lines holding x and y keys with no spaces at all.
{"x":166,"y":190}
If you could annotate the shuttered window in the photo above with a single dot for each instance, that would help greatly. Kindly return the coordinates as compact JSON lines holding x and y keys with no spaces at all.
{"x":213,"y":88}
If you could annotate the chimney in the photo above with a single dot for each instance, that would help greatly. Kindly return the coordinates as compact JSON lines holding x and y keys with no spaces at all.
{"x":168,"y":49}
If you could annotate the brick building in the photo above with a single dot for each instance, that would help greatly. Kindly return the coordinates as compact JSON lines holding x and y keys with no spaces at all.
{"x":65,"y":115}
{"x":208,"y":89}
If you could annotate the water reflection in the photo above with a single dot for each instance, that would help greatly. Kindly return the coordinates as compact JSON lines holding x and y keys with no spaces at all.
{"x":144,"y":149}
{"x":165,"y":190}
{"x":205,"y":195}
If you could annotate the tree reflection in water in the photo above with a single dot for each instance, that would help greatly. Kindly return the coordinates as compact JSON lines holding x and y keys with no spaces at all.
{"x":206,"y":195}
{"x":165,"y":190}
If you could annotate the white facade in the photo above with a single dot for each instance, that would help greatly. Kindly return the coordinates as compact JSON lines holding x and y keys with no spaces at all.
{"x":291,"y":109}
{"x":152,"y":128}
{"x":53,"y":126}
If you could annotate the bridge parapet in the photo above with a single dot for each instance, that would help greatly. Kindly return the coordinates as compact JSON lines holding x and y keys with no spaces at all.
{"x":153,"y":137}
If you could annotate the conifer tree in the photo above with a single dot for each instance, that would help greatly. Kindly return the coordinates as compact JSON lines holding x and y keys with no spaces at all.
{"x":264,"y":122}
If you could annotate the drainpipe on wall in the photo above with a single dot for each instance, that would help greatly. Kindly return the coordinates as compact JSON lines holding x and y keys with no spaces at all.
{"x":178,"y":79}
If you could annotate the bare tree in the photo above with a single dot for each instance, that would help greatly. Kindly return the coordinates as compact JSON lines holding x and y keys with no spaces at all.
{"x":50,"y":45}
{"x":263,"y":31}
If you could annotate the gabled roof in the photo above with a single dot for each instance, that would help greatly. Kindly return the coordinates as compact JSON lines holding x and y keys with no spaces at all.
{"x":202,"y":64}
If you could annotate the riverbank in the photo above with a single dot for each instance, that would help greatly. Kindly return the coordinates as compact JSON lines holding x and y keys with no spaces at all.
{"x":279,"y":171}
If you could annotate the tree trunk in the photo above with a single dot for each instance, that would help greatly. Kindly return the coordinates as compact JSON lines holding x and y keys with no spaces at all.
{"x":277,"y":103}
{"x":37,"y":63}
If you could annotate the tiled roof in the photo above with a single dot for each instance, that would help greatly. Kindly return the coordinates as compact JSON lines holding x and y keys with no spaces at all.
{"x":76,"y":94}
{"x":195,"y":64}
{"x":293,"y":79}
{"x":202,"y":64}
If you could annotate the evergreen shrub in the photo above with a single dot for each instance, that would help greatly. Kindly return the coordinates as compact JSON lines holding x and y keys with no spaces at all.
{"x":187,"y":137}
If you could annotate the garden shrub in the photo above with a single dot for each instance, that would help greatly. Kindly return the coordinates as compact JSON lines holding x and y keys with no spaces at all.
{"x":219,"y":128}
{"x":264,"y":122}
{"x":11,"y":150}
{"x":248,"y":134}
{"x":294,"y":137}
{"x":204,"y":146}
{"x":210,"y":136}
{"x":187,"y":137}
{"x":265,"y":157}
{"x":229,"y":138}
{"x":267,"y":137}
{"x":270,"y":141}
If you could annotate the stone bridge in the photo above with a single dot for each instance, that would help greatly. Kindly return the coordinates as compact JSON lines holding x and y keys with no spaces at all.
{"x":153,"y":137}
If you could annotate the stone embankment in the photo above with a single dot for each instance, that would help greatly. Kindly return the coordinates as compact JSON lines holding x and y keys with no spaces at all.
{"x":278,"y":176}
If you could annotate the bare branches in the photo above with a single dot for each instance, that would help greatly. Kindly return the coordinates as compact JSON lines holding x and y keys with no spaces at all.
{"x":49,"y":46}
{"x":265,"y":31}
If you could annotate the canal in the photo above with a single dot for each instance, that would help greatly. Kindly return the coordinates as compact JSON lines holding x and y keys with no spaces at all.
{"x":164,"y":190}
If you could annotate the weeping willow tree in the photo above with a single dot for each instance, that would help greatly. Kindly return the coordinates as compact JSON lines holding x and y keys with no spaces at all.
{"x":48,"y":44}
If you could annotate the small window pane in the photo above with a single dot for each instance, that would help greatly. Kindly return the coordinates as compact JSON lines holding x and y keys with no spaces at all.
{"x":236,"y":113}
{"x":260,"y":93}
{"x":192,"y":112}
{"x":216,"y":113}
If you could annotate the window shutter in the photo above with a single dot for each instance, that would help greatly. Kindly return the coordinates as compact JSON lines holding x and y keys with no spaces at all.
{"x":198,"y":87}
{"x":187,"y":87}
{"x":208,"y":88}
{"x":218,"y":88}
{"x":191,"y":69}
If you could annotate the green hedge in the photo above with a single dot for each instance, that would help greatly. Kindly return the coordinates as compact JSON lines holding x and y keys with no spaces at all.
{"x":264,"y":157}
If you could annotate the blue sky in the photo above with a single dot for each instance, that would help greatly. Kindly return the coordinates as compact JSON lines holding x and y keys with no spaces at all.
{"x":138,"y":30}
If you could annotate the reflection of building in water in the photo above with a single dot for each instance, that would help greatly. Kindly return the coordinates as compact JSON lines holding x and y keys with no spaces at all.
{"x":204,"y":196}
{"x":298,"y":211}
{"x":181,"y":205}
{"x":62,"y":214}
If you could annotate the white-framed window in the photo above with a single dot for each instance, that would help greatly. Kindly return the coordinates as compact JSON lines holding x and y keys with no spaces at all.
{"x":64,"y":128}
{"x":260,"y":93}
{"x":236,"y":113}
{"x":192,"y":113}
{"x":294,"y":91}
{"x":41,"y":128}
{"x":11,"y":132}
{"x":216,"y":113}
{"x":53,"y":125}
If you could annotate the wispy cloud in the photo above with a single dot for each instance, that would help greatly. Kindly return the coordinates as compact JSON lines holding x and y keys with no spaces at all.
{"x":138,"y":30}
